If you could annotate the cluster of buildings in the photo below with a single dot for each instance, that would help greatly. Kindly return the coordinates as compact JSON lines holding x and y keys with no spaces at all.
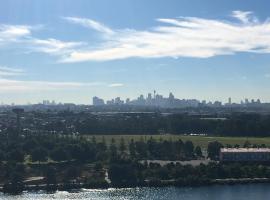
{"x":49,"y":103}
{"x":149,"y":100}
{"x":154,"y":99}
{"x":244,"y":155}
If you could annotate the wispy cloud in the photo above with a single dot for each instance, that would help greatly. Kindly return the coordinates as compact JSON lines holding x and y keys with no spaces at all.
{"x":89,"y":23}
{"x":13,"y":32}
{"x":8,"y":71}
{"x":181,"y":37}
{"x":244,"y":17}
{"x":8,"y":85}
{"x":22,"y":35}
{"x":116,"y":85}
{"x":52,"y":46}
{"x":174,"y":37}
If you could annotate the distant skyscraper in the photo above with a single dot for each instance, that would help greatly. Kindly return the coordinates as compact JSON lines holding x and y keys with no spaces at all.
{"x":97,"y":101}
{"x":230,"y":101}
{"x":169,"y":102}
{"x":118,"y":101}
{"x":171,"y":96}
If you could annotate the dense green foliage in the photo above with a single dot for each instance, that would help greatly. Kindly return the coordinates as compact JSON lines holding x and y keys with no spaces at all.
{"x":69,"y":160}
{"x":231,"y":125}
{"x":83,"y":122}
{"x":128,"y":173}
{"x":66,"y":148}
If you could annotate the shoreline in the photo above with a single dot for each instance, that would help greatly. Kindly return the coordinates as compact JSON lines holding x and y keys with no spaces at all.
{"x":149,"y":184}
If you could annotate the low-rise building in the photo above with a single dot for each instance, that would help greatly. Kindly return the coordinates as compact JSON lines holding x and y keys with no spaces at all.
{"x":244,"y":154}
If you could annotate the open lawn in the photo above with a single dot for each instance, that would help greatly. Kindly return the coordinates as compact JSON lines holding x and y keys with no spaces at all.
{"x":197,"y":140}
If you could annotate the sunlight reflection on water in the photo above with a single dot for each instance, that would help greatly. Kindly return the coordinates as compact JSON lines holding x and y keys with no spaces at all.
{"x":236,"y":192}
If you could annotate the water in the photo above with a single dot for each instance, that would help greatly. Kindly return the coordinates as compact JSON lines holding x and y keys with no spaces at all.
{"x":236,"y":192}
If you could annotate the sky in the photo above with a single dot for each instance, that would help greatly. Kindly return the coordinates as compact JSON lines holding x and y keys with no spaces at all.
{"x":70,"y":51}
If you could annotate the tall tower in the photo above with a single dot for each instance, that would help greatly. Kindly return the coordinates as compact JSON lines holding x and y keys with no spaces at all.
{"x":230,"y":101}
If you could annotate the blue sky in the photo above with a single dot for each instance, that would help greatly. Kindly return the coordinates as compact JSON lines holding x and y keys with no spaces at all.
{"x":69,"y":51}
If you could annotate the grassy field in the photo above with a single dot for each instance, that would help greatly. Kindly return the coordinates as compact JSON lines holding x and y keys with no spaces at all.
{"x":197,"y":140}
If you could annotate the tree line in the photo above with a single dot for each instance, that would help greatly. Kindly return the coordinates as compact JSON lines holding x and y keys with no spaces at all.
{"x":232,"y":124}
{"x":129,"y":173}
{"x":88,"y":123}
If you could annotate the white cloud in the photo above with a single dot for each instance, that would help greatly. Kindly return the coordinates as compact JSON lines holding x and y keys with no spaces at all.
{"x":11,"y":85}
{"x":89,"y":23}
{"x":7,"y":85}
{"x":52,"y":46}
{"x":8,"y":71}
{"x":244,"y":17}
{"x":174,"y":37}
{"x":13,"y":32}
{"x":23,"y":36}
{"x":116,"y":85}
{"x":182,"y":37}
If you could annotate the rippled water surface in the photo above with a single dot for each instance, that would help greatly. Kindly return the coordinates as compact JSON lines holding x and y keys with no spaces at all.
{"x":236,"y":192}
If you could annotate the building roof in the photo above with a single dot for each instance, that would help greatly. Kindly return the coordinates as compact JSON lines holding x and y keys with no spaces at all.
{"x":244,"y":150}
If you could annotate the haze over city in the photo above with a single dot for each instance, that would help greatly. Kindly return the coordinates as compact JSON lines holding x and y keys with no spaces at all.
{"x":70,"y":52}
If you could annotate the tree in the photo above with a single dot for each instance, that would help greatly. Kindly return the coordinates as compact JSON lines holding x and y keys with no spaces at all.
{"x":141,"y":148}
{"x":122,"y":145}
{"x":72,"y":173}
{"x":198,"y":151}
{"x":189,"y":149}
{"x":94,"y":141}
{"x":213,"y":150}
{"x":16,"y":155}
{"x":50,"y":175}
{"x":113,"y":150}
{"x":30,"y":144}
{"x":39,"y":154}
{"x":179,"y":148}
{"x":2,"y":156}
{"x":247,"y":144}
{"x":59,"y":154}
{"x":122,"y":174}
{"x":76,"y":152}
{"x":132,"y":151}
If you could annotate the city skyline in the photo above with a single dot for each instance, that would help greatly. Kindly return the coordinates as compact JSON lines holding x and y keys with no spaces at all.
{"x":68,"y":51}
{"x":156,"y":99}
{"x":142,"y":100}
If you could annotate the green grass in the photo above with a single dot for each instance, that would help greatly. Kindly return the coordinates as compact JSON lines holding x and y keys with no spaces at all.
{"x":197,"y":140}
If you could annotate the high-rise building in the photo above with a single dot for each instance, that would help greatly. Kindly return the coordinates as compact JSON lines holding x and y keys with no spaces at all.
{"x":149,"y":96}
{"x":230,"y":101}
{"x":97,"y":101}
{"x":171,"y":96}
{"x":118,"y":101}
